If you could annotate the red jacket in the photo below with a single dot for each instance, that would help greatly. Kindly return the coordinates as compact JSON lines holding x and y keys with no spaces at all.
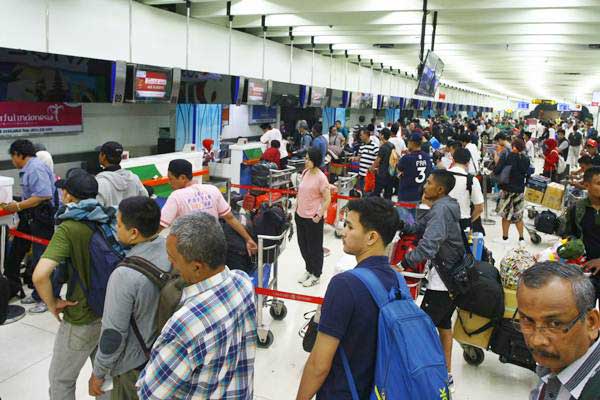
{"x":272,"y":155}
{"x":551,"y":155}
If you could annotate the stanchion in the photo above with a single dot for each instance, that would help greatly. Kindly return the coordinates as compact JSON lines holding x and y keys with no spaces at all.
{"x":486,"y":220}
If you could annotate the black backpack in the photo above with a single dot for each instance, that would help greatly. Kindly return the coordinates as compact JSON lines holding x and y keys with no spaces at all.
{"x":270,"y":221}
{"x":237,"y":254}
{"x":485,"y":297}
{"x":546,"y":222}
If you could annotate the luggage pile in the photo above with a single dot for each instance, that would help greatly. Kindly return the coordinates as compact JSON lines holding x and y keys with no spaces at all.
{"x":541,"y":191}
{"x":491,"y":327}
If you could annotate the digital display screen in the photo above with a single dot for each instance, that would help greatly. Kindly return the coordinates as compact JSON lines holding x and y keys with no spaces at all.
{"x":257,"y":91}
{"x":151,"y":84}
{"x":355,"y":100}
{"x":317,"y":97}
{"x":366,"y":101}
{"x":285,"y":94}
{"x":206,"y":88}
{"x":429,"y":80}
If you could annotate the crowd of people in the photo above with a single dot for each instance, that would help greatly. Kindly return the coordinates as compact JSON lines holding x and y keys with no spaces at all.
{"x":202,"y":344}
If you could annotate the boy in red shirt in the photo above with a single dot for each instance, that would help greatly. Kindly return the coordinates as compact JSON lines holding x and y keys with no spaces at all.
{"x":272,"y":154}
{"x":551,"y":159}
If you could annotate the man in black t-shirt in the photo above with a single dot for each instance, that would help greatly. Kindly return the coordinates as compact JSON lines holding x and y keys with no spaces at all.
{"x":384,"y":180}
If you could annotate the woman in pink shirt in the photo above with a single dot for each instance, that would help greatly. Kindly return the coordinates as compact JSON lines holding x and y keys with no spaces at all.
{"x":312,"y":201}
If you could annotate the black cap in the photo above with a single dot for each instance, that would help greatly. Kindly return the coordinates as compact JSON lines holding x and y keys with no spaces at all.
{"x":112,"y":150}
{"x":79,"y":183}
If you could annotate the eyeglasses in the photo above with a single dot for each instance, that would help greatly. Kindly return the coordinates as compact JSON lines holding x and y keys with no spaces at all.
{"x":554,"y":328}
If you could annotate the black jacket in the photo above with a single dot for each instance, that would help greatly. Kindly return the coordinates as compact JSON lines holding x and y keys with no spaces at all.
{"x":519,"y":163}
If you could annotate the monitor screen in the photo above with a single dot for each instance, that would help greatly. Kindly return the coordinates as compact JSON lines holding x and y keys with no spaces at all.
{"x":336,"y":98}
{"x":429,"y":80}
{"x":366,"y":101}
{"x":262,"y":114}
{"x":394,"y":102}
{"x":318,"y":97}
{"x":32,"y":76}
{"x":355,"y":100}
{"x":285,"y":94}
{"x":152,"y":84}
{"x":385,"y":102}
{"x":257,"y":91}
{"x":206,"y":88}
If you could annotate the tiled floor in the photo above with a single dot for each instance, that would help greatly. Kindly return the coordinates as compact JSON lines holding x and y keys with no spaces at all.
{"x":26,"y":346}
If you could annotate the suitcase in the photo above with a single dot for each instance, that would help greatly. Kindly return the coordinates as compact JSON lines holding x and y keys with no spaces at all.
{"x":510,"y":345}
{"x":546,"y":222}
{"x":412,"y":277}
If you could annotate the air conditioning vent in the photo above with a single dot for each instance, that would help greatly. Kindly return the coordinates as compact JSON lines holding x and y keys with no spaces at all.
{"x":571,"y":73}
{"x":384,"y":45}
{"x":595,"y":46}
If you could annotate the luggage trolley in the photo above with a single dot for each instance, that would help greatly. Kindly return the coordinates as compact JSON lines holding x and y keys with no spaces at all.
{"x":267,"y":273}
{"x":280,"y":179}
{"x":298,"y":165}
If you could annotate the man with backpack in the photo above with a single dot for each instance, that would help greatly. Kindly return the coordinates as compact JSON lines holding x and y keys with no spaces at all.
{"x":131,"y":296}
{"x":206,"y":349}
{"x":75,"y":241}
{"x":467,"y":189}
{"x":441,"y":242}
{"x":115,"y":183}
{"x":352,"y":358}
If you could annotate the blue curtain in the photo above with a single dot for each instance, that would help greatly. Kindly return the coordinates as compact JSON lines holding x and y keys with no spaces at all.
{"x":196,"y":122}
{"x":328,"y":119}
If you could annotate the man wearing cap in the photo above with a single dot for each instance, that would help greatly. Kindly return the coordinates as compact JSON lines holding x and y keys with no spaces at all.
{"x":79,"y":330}
{"x":114,"y":183}
{"x":413,"y":169}
{"x":591,"y":149}
{"x":36,"y":214}
{"x":189,"y":197}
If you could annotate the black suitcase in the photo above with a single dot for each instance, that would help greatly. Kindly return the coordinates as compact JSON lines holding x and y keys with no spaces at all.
{"x":510,"y":345}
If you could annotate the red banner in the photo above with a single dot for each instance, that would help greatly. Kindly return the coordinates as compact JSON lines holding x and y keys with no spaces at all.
{"x":20,"y":118}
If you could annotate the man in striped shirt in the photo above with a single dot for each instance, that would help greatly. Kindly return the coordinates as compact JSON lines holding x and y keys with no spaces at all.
{"x":367,"y":153}
{"x":560,"y":324}
{"x":206,"y":350}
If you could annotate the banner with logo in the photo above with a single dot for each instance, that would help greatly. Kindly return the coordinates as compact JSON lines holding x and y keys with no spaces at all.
{"x":22,"y":119}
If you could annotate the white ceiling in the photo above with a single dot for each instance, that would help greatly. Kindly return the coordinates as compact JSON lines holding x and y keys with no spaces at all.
{"x":519,"y":48}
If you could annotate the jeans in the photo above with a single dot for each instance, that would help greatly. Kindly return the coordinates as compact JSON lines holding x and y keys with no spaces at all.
{"x":73,"y":345}
{"x":310,"y":241}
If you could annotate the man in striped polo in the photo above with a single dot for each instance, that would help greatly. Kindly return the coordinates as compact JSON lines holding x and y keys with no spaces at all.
{"x":367,"y":153}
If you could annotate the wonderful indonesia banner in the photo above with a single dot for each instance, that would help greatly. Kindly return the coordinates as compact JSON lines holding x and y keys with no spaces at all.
{"x":21,"y":118}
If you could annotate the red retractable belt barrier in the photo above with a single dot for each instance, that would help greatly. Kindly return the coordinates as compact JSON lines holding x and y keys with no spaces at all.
{"x":163,"y":180}
{"x":290,"y":296}
{"x":31,"y":238}
{"x":291,"y":192}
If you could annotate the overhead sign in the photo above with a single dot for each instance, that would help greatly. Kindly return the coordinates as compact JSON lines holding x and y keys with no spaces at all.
{"x":563,"y":107}
{"x":21,"y":119}
{"x":543,"y":101}
{"x":595,"y":99}
{"x":523,"y":105}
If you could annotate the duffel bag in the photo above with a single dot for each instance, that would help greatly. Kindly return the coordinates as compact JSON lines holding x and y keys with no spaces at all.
{"x":486,"y":295}
{"x":509,"y":344}
{"x":546,"y":222}
{"x":260,"y":173}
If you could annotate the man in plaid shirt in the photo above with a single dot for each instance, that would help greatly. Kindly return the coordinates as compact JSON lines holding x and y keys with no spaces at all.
{"x":206,"y":350}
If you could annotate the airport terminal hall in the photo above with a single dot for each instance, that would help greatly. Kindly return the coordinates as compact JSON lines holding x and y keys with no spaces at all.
{"x":299,"y":199}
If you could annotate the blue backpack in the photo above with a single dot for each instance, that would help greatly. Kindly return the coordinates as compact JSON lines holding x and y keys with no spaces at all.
{"x":410,"y":363}
{"x":105,"y":255}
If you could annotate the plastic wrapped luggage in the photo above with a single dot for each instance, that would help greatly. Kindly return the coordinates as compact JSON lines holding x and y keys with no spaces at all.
{"x":511,"y":266}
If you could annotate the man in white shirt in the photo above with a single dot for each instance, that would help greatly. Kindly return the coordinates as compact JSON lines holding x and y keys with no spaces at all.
{"x":397,"y":141}
{"x":529,"y":147}
{"x":467,"y":189}
{"x":475,"y":155}
{"x":269,"y":134}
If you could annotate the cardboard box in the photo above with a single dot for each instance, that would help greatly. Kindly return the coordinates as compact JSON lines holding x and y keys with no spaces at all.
{"x":472,"y":322}
{"x":533,"y":195}
{"x":510,"y":303}
{"x":553,"y":197}
{"x":538,"y":182}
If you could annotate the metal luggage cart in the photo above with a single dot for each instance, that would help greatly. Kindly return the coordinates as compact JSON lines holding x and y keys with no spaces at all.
{"x":298,"y":164}
{"x":269,"y":255}
{"x":280,"y":179}
{"x":344,"y":185}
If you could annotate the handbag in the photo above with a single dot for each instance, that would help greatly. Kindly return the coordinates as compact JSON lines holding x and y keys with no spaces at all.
{"x":370,"y":182}
{"x":458,"y":277}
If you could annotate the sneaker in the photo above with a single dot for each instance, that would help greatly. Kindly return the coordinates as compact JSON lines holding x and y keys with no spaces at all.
{"x":39,"y":308}
{"x":28,"y":300}
{"x":304,"y":277}
{"x":450,"y":383}
{"x":311,"y":281}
